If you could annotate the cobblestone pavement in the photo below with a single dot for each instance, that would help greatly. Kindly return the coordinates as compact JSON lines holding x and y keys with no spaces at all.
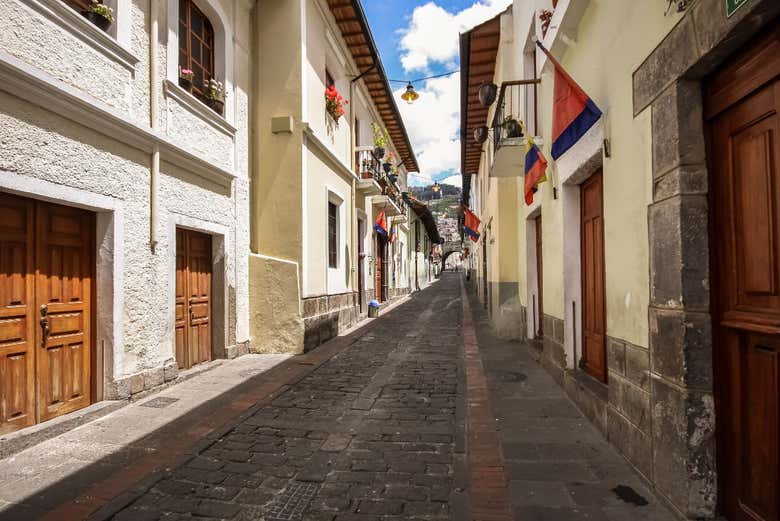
{"x":372,"y":433}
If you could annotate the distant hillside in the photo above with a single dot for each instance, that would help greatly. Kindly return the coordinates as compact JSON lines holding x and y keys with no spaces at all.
{"x":444,"y":203}
{"x":426,"y":193}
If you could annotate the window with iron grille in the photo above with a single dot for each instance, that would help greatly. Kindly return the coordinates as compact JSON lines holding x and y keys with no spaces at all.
{"x":196,"y":44}
{"x":333,"y":223}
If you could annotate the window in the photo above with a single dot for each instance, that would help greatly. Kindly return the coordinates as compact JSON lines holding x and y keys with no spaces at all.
{"x":333,"y":223}
{"x":196,"y":44}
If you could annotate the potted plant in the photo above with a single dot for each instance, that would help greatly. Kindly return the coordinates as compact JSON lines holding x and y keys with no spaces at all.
{"x":380,"y":140}
{"x":545,"y":16}
{"x":513,"y":128}
{"x":100,"y":15}
{"x":334,"y":103}
{"x":214,"y":95}
{"x":185,"y":79}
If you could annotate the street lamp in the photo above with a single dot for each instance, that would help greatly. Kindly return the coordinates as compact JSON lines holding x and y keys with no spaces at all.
{"x":411,"y":95}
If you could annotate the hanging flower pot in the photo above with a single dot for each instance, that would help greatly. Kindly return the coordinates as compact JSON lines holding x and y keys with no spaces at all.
{"x":379,"y":152}
{"x":387,"y":167}
{"x":98,"y":20}
{"x":487,"y":94}
{"x":480,"y":134}
{"x":512,"y":128}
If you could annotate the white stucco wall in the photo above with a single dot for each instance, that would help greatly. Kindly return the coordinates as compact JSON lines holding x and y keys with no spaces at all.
{"x":41,"y":148}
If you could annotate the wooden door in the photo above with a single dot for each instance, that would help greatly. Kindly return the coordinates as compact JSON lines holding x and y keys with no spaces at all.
{"x":539,"y":277}
{"x":594,"y":348}
{"x":46,"y":284}
{"x":361,"y":257}
{"x":193,"y":298}
{"x":745,"y":172}
{"x":380,"y":268}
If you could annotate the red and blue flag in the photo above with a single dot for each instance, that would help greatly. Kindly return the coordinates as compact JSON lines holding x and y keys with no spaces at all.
{"x":471,"y":225}
{"x":574,"y":113}
{"x":535,"y":170}
{"x":380,"y":226}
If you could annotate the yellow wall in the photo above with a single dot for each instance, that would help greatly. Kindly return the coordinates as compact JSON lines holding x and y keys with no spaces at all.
{"x":612,"y":40}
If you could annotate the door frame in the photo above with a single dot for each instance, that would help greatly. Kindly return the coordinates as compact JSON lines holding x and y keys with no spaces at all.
{"x":108,"y":265}
{"x":220,"y":278}
{"x":532,"y":276}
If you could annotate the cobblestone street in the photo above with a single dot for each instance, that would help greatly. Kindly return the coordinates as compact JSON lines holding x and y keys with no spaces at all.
{"x":421,"y":414}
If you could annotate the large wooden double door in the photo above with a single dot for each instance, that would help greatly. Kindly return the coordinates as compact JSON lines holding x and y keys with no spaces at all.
{"x":46,"y":313}
{"x":742,"y":105}
{"x":594,"y":325}
{"x":193,"y":298}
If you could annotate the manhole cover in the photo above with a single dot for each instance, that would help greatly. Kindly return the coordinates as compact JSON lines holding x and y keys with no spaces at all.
{"x":160,"y":402}
{"x":513,"y":376}
{"x":292,"y":503}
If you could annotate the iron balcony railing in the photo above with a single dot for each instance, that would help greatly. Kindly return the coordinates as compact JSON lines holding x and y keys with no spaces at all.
{"x":367,"y":166}
{"x":516,"y":109}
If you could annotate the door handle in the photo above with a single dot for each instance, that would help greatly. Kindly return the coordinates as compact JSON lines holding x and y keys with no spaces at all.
{"x":44,"y":325}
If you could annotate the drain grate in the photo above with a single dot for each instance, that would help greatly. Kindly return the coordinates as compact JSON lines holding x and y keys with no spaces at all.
{"x":160,"y":402}
{"x":292,"y":502}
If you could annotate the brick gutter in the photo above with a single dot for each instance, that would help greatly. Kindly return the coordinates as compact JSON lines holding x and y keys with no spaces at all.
{"x":487,"y":487}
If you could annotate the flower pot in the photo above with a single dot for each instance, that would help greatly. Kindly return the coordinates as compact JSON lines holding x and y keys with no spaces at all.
{"x":99,"y":20}
{"x":379,"y":152}
{"x":393,"y":178}
{"x":513,"y":128}
{"x":185,"y":84}
{"x":487,"y":94}
{"x":387,"y":167}
{"x":217,"y":106}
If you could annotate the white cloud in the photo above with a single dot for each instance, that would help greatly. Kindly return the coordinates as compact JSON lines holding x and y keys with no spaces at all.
{"x":454,"y":180}
{"x":433,"y":121}
{"x":432,"y":35}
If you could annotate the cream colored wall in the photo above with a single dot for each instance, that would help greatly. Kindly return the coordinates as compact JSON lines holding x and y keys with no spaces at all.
{"x":613,"y":38}
{"x":320,"y":179}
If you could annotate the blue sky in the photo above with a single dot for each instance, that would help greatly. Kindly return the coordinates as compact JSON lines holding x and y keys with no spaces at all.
{"x":417,"y":39}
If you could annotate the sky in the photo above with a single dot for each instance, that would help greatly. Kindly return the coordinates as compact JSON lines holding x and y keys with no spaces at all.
{"x":417,"y":39}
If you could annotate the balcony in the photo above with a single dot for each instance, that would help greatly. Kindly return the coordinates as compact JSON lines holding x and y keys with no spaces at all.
{"x":390,"y":199}
{"x":514,"y":119}
{"x":369,"y":171}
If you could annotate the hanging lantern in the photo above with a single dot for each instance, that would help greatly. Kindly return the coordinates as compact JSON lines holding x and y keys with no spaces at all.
{"x":410,"y":95}
{"x":487,"y":94}
{"x":436,"y":186}
{"x":480,"y":134}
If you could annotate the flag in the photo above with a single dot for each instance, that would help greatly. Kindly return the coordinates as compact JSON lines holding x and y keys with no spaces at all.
{"x":574,"y":113}
{"x":471,"y":225}
{"x":393,"y":234}
{"x":535,"y":170}
{"x":380,"y":226}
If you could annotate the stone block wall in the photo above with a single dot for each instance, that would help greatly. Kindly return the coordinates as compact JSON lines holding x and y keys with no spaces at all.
{"x":326,"y":315}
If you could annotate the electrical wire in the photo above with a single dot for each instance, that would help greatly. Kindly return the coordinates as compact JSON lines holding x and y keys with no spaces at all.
{"x":426,"y":78}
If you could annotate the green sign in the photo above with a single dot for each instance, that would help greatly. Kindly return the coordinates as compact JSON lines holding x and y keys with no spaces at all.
{"x":733,"y":5}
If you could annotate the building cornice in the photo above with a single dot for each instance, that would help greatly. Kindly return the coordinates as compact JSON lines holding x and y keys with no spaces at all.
{"x":24,"y":81}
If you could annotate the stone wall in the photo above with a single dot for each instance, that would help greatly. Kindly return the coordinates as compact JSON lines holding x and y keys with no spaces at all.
{"x":326,"y":315}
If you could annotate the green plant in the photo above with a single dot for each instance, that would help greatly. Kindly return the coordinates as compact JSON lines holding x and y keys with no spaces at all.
{"x":103,"y":10}
{"x":381,"y":139}
{"x":214,"y":90}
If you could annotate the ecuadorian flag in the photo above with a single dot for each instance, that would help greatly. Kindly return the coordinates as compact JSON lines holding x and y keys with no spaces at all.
{"x":573,"y":111}
{"x":535,"y":170}
{"x":380,"y":226}
{"x":471,"y":225}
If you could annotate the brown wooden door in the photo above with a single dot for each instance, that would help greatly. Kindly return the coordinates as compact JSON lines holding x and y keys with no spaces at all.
{"x":594,"y":350}
{"x":193,"y":298}
{"x":46,"y":284}
{"x":745,"y":170}
{"x":379,"y":283}
{"x":539,"y":278}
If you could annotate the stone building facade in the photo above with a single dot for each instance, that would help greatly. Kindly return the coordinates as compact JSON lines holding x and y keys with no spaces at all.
{"x":671,"y":350}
